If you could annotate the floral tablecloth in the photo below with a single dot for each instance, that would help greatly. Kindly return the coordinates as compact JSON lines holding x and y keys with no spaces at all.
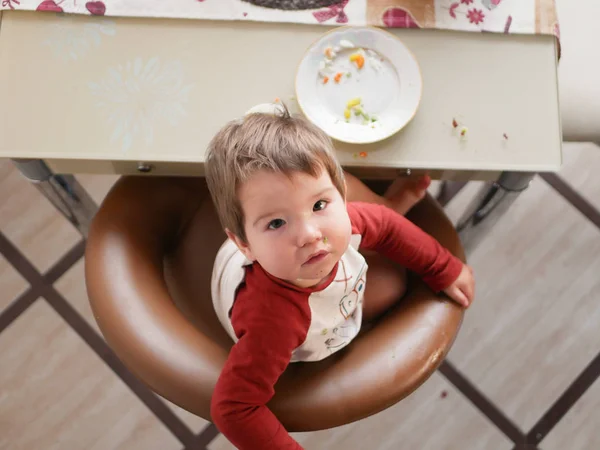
{"x":503,"y":16}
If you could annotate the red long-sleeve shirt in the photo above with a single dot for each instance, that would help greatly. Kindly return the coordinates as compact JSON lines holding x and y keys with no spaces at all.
{"x":275,"y":322}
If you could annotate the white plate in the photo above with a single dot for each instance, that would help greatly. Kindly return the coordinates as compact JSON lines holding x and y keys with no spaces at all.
{"x":389,"y":85}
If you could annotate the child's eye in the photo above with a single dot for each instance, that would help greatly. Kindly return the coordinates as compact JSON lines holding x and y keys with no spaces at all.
{"x":276,"y":223}
{"x":320,"y":205}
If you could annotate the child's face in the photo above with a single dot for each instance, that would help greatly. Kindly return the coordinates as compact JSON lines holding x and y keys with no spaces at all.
{"x":297,"y":227}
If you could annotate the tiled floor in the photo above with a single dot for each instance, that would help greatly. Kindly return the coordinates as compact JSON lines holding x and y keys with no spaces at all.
{"x":59,"y":395}
{"x":517,"y":376}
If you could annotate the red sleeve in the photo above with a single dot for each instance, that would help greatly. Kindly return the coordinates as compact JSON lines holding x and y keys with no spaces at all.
{"x":270,"y":322}
{"x":391,"y":234}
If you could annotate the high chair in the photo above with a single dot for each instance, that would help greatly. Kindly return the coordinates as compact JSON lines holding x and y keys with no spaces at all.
{"x":148,"y":268}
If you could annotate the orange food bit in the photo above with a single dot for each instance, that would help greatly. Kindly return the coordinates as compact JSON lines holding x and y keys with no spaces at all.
{"x":276,"y":99}
{"x":358,"y":59}
{"x":325,"y":80}
{"x":338,"y":77}
{"x":363,"y":154}
{"x":329,"y":52}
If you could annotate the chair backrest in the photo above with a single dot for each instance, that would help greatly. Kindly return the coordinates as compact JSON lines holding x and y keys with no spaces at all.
{"x":148,"y":267}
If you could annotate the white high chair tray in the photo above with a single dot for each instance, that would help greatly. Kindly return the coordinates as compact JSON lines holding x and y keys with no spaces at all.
{"x":176,"y":84}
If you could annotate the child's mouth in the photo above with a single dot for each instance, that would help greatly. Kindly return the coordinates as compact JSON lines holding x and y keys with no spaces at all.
{"x":316,"y":257}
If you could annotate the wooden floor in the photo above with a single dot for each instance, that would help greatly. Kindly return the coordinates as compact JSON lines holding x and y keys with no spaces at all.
{"x":522,"y":374}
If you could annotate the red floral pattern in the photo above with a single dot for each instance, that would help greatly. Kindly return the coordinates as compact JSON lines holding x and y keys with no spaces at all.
{"x":9,"y":3}
{"x":467,"y":15}
{"x":452,"y":9}
{"x":96,"y":8}
{"x":475,"y":16}
{"x":49,"y":5}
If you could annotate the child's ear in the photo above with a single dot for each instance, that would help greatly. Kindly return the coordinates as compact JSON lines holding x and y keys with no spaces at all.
{"x":244,"y":247}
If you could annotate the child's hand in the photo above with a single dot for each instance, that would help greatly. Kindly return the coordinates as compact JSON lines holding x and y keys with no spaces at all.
{"x":462,"y":290}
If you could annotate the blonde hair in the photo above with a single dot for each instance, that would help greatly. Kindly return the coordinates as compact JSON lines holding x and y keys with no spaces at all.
{"x":278,"y":143}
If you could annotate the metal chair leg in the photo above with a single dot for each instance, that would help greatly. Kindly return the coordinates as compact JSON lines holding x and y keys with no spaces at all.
{"x":63,"y":191}
{"x":491,"y":202}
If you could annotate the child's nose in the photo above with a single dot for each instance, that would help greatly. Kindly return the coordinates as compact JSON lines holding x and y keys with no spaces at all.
{"x":308,"y":233}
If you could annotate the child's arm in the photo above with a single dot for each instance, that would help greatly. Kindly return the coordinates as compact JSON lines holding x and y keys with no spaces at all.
{"x":269,"y":328}
{"x":391,"y":234}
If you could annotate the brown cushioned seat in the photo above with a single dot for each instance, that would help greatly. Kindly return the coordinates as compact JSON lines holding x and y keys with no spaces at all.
{"x":148,"y":268}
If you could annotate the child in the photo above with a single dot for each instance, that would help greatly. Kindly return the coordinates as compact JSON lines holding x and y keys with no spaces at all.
{"x":289,"y":284}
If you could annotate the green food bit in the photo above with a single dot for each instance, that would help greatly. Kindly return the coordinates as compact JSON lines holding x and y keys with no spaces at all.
{"x":348,"y":74}
{"x":373,"y":119}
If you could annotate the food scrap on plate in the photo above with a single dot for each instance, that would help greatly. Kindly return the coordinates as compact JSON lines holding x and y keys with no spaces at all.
{"x":355,"y":106}
{"x":357,"y":60}
{"x":338,"y":66}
